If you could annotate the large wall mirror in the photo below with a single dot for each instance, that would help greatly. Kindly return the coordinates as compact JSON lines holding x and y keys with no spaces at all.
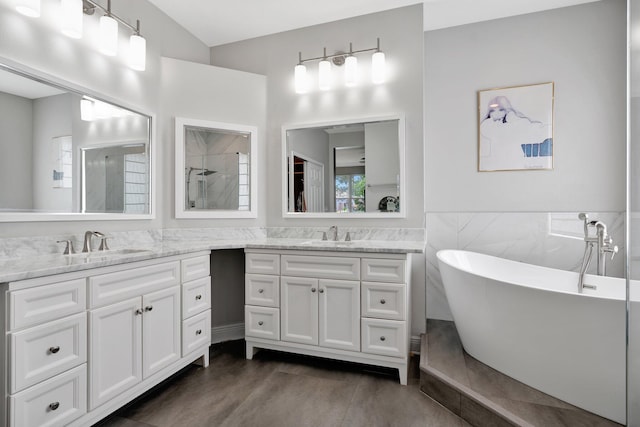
{"x":68,"y":155}
{"x":216,"y":169}
{"x":351,"y":168}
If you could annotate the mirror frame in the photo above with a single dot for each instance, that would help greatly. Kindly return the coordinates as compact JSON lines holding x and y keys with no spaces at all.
{"x":41,"y":77}
{"x":345,"y":215}
{"x":180,"y":180}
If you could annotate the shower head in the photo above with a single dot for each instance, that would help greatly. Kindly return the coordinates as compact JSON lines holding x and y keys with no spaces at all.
{"x":206,"y":172}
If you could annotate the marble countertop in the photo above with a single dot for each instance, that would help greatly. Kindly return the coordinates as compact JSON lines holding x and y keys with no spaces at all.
{"x":45,"y":265}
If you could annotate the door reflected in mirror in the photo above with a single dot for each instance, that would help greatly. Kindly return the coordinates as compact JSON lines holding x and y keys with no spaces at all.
{"x":345,"y":168}
{"x":215,"y":169}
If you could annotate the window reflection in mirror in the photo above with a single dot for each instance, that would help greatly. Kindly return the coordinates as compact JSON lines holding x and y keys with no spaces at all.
{"x":215,"y":170}
{"x":44,"y":130}
{"x":345,"y":168}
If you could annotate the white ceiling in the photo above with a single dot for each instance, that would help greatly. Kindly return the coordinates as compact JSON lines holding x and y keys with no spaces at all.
{"x":221,"y":22}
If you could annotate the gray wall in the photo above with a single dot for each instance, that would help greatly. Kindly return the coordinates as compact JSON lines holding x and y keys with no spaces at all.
{"x":582,"y":49}
{"x":16,"y":137}
{"x":400,"y":32}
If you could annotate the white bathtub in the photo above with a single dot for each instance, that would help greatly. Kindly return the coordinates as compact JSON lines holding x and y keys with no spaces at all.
{"x":530,"y":323}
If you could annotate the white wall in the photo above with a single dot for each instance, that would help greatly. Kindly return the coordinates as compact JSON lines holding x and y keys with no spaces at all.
{"x":205,"y":92}
{"x":38,"y":45}
{"x":16,"y":130}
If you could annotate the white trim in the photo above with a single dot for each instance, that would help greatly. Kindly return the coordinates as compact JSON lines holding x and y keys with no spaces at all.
{"x":223,"y":333}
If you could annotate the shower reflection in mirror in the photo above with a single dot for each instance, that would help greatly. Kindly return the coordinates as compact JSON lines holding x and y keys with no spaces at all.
{"x":215,"y":161}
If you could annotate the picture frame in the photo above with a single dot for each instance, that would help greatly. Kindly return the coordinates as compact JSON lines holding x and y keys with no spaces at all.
{"x":515,"y":128}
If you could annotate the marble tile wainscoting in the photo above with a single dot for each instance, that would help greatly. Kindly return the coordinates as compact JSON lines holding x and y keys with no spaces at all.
{"x":549,"y":239}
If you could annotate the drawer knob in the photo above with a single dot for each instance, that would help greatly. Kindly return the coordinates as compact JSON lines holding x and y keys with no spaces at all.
{"x":260,"y":291}
{"x":199,"y":331}
{"x":138,"y":311}
{"x":261,"y":323}
{"x":321,"y":291}
{"x":198,"y":297}
{"x":382,"y":301}
{"x":54,"y":350}
{"x":53,"y":406}
{"x":313,"y":289}
{"x":148,"y":308}
{"x":382,"y":338}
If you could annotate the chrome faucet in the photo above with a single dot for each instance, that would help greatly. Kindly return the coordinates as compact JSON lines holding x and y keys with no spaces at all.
{"x":87,"y":239}
{"x":604,"y":244}
{"x":334,"y":233}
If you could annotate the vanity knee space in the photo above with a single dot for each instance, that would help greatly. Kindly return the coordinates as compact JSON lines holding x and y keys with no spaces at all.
{"x":349,"y":306}
{"x":80,"y":345}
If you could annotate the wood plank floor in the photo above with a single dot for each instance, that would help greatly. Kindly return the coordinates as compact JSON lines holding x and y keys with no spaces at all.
{"x":280,"y":389}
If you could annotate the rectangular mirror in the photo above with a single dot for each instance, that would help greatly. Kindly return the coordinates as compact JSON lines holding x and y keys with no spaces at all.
{"x":351,"y":168}
{"x":49,"y":137}
{"x":216,"y":169}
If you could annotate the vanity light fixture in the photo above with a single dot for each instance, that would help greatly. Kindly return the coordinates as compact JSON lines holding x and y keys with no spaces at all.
{"x":349,"y":60}
{"x":87,"y":113}
{"x":71,"y":20}
{"x":30,"y":8}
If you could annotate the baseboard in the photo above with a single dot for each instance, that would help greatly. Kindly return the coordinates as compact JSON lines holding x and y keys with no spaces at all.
{"x":223,"y":333}
{"x":414,"y":346}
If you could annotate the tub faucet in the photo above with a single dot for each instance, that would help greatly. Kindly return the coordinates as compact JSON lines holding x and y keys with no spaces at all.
{"x":87,"y":239}
{"x":605,"y":246}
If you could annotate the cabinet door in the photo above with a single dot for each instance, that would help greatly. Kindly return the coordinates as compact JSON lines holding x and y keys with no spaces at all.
{"x":299,"y":310}
{"x":160,"y":330}
{"x":115,"y":351}
{"x":339,"y":303}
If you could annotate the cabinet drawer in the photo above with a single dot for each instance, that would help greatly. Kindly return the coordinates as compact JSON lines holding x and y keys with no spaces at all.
{"x":195,"y":268}
{"x":262,"y":263}
{"x":43,"y":351}
{"x":121,"y":285}
{"x":55,"y":402}
{"x":196,"y":297}
{"x":321,"y":267}
{"x":384,"y":300}
{"x":44,"y":303}
{"x":262,"y":322}
{"x":384,"y":337}
{"x":196,"y":332}
{"x":262,"y":289}
{"x":383,"y":270}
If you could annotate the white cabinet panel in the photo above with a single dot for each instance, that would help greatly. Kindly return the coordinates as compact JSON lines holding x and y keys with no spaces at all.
{"x":160,"y":330}
{"x":196,"y":332}
{"x":55,"y":402}
{"x":383,"y":270}
{"x":43,"y":303}
{"x":384,"y":337}
{"x":115,"y":351}
{"x":321,"y":267}
{"x":262,"y":289}
{"x":43,"y":351}
{"x":196,"y":297}
{"x":299,"y":305}
{"x":195,"y":268}
{"x":262,"y":322}
{"x":384,"y":300}
{"x":259,"y":263}
{"x":339,"y":317}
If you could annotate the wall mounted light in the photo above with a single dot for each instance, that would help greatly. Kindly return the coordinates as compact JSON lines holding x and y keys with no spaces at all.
{"x":87,"y":112}
{"x":71,"y":20}
{"x":349,"y":60}
{"x":29,"y":8}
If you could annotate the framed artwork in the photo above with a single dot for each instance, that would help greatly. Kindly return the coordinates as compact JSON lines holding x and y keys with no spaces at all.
{"x":515,"y":128}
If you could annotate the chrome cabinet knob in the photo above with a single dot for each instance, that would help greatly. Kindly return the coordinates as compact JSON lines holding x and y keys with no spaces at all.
{"x":148,"y":308}
{"x":198,"y":297}
{"x":321,"y":291}
{"x":54,"y":350}
{"x":261,"y":323}
{"x":382,"y":301}
{"x":199,"y":331}
{"x":53,"y":406}
{"x":382,"y":338}
{"x":313,"y":289}
{"x":260,"y":291}
{"x":138,"y":312}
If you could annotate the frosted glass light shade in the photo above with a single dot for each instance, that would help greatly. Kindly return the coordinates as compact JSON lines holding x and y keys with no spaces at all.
{"x":324,"y":75}
{"x":108,"y":36}
{"x":137,"y":52}
{"x":378,"y":68}
{"x":351,"y":71}
{"x":71,"y":18}
{"x":300,"y":75}
{"x":29,"y":8}
{"x":87,"y":113}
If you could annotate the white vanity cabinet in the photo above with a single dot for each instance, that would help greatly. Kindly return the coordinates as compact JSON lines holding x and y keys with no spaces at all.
{"x":80,"y":345}
{"x":349,"y":305}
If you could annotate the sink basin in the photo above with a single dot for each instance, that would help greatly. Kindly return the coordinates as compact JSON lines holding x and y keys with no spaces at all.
{"x":329,"y":243}
{"x":110,"y":253}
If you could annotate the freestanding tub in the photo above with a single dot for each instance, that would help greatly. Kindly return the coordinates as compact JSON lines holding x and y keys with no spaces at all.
{"x":530,"y":323}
